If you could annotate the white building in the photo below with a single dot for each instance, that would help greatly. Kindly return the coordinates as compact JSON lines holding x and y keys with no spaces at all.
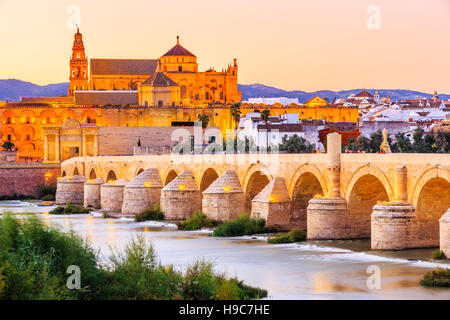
{"x":270,"y":101}
{"x":252,"y":127}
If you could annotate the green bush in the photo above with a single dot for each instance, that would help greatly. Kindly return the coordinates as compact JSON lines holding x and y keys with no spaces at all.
{"x":292,"y":236}
{"x":436,"y":278}
{"x":197,"y":221}
{"x":240,"y":226}
{"x":47,"y":191}
{"x":70,"y":208}
{"x":438,"y":254}
{"x":48,"y":197}
{"x":297,"y":235}
{"x":279,"y":238}
{"x":34,"y":260}
{"x":153,"y":213}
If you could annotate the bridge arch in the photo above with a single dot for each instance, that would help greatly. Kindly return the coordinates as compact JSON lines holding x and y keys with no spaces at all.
{"x":169,"y":175}
{"x":111,"y":176}
{"x":208,"y":177}
{"x":373,"y":171}
{"x":431,"y":196}
{"x":305,"y":184}
{"x":307,"y":169}
{"x":256,"y":178}
{"x":364,"y":194}
{"x":138,"y":171}
{"x":435,"y":172}
{"x":92,"y":174}
{"x":76,"y":172}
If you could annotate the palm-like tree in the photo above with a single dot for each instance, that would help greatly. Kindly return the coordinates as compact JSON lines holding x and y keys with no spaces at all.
{"x":235,"y":111}
{"x":265,"y":117}
{"x":204,"y":119}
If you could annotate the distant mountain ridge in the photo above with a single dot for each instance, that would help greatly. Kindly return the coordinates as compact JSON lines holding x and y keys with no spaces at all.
{"x":12,"y":89}
{"x":260,"y":91}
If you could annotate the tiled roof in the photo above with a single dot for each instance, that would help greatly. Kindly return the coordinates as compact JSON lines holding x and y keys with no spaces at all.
{"x":147,"y":179}
{"x":363,"y":94}
{"x":226,"y":183}
{"x":160,"y":79}
{"x":183,"y":182}
{"x":178,"y":50}
{"x":285,"y":127}
{"x":102,"y":98}
{"x":122,"y":66}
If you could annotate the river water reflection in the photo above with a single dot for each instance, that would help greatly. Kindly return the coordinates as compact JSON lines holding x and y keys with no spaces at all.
{"x":309,"y":270}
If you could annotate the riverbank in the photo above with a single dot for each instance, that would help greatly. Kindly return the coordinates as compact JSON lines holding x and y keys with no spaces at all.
{"x":310,"y":270}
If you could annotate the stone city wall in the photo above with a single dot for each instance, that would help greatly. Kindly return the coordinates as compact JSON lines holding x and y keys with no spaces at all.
{"x":27,"y":178}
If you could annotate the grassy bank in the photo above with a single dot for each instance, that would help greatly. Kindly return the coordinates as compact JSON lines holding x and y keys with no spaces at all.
{"x":152,"y":213}
{"x":242,"y":225}
{"x":70,"y":208}
{"x":438,"y":277}
{"x":34,"y":259}
{"x":291,"y":237}
{"x":197,"y":221}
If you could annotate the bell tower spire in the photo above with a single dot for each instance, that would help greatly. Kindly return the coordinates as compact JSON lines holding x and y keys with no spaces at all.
{"x":78,"y":65}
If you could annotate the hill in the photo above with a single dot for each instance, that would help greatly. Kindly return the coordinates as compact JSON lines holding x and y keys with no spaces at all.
{"x":12,"y":90}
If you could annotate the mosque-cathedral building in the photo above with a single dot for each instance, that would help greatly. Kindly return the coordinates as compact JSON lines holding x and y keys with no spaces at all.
{"x":130,"y":93}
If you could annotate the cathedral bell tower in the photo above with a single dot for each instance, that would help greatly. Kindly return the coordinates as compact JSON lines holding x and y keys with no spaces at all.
{"x":78,"y":65}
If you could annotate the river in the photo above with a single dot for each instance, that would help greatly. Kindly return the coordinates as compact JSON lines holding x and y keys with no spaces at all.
{"x":310,"y":270}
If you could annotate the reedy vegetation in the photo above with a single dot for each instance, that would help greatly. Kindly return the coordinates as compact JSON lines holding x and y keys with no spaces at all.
{"x":34,"y":259}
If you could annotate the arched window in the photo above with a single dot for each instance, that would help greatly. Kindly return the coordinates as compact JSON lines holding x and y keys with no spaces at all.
{"x":48,"y":120}
{"x":28,"y":138}
{"x":28,"y":120}
{"x":8,"y":120}
{"x":180,"y":69}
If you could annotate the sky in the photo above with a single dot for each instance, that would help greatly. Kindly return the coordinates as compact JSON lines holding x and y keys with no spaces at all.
{"x":290,"y":44}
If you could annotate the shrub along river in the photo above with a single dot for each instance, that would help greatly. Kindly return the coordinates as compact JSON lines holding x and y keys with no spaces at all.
{"x":307,"y":270}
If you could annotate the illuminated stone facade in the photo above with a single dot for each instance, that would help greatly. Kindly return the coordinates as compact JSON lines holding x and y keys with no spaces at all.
{"x":135,"y":93}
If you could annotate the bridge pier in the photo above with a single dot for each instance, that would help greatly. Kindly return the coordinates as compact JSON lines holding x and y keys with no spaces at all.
{"x":393,"y":224}
{"x":111,"y":195}
{"x":444,"y":233}
{"x":142,"y":192}
{"x":224,"y":199}
{"x":181,"y":197}
{"x":273,"y":204}
{"x":70,"y":189}
{"x":92,"y":193}
{"x":327,"y":217}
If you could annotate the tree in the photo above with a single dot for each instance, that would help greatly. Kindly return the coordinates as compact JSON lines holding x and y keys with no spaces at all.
{"x":235,"y":111}
{"x":418,"y":144}
{"x":8,"y":146}
{"x":296,"y":144}
{"x":351,"y":145}
{"x":403,"y":144}
{"x":376,"y":139}
{"x":265,"y":114}
{"x":363,"y":144}
{"x":204,"y":119}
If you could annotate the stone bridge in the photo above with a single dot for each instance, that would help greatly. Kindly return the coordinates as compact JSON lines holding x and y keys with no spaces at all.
{"x":394,"y":199}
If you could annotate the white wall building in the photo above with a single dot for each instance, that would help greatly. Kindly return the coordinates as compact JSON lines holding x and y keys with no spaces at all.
{"x":270,"y":101}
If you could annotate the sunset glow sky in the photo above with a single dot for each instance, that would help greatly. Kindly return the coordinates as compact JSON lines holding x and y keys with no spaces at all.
{"x":290,"y":44}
